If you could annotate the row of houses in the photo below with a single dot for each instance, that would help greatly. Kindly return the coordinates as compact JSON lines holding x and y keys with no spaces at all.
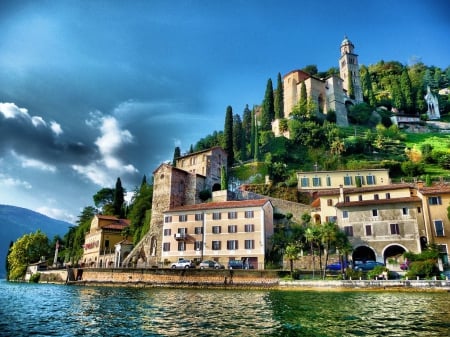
{"x":382,"y":220}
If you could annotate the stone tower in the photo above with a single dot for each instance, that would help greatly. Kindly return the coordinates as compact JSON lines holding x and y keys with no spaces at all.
{"x":348,"y":64}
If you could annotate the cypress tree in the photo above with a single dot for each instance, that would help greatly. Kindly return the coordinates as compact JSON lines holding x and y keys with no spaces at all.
{"x":396,"y":93}
{"x":268,"y":112}
{"x":228,"y":135}
{"x":406,"y":89}
{"x":256,"y":142}
{"x":176,"y":155}
{"x":119,"y":199}
{"x":223,"y":178}
{"x":247,"y":127}
{"x":238,"y":138}
{"x":279,"y":99}
{"x":351,"y":88}
{"x":252,"y":133}
{"x":303,"y":102}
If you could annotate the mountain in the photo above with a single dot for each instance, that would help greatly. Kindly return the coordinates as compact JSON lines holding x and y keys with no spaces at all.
{"x":17,"y":221}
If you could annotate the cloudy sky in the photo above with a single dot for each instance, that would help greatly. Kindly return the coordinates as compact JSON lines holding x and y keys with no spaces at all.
{"x":95,"y":90}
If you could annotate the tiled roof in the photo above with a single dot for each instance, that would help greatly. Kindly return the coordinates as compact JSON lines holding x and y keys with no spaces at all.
{"x":439,"y":189}
{"x":350,"y":190}
{"x":115,"y":226}
{"x":377,"y":202}
{"x":220,"y":205}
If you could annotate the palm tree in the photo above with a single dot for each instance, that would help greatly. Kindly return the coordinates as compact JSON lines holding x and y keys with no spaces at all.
{"x":344,"y":247}
{"x":312,"y":236}
{"x":328,"y":232}
{"x":292,"y":251}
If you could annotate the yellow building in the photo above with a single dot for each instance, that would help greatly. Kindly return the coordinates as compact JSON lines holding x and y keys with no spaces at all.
{"x":99,"y":244}
{"x":219,"y":231}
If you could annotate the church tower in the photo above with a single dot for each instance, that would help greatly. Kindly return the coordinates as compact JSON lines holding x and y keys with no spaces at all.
{"x":349,"y":70}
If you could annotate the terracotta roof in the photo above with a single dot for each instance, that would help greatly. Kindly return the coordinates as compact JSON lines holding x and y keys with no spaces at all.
{"x":316,"y":203}
{"x":222,"y":204}
{"x":350,"y":190}
{"x":115,"y":226}
{"x":440,"y":189}
{"x":377,"y":202}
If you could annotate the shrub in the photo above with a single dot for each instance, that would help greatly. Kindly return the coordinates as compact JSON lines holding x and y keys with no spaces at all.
{"x":423,"y":269}
{"x":35,"y":278}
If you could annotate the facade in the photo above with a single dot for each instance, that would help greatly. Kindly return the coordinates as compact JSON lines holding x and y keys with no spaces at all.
{"x":349,"y":69}
{"x":99,"y":244}
{"x":219,"y":231}
{"x":173,"y":187}
{"x":436,"y":199}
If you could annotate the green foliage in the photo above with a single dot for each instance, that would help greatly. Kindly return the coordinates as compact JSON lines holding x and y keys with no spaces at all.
{"x":279,"y":98}
{"x":359,"y":114}
{"x":268,"y":109}
{"x":376,"y":272}
{"x":223,"y":178}
{"x":228,"y":136}
{"x":35,"y":278}
{"x":119,"y":199}
{"x":204,"y":195}
{"x":176,"y":155}
{"x":104,"y":197}
{"x":141,"y":202}
{"x":29,"y":248}
{"x":412,"y":169}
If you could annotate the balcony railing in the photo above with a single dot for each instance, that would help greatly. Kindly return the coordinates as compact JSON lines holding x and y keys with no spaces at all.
{"x":180,"y":236}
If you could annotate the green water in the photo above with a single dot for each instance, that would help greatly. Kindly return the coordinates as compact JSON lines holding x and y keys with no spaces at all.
{"x":57,"y":310}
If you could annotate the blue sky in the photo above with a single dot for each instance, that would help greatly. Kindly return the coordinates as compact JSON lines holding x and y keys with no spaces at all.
{"x":95,"y":90}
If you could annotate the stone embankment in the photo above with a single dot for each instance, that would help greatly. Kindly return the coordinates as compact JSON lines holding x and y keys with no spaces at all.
{"x":245,"y":279}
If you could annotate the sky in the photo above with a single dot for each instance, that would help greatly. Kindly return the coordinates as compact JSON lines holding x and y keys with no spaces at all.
{"x":95,"y":90}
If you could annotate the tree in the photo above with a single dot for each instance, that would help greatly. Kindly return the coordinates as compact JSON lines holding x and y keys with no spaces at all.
{"x":238,"y":138}
{"x":247,"y":129}
{"x":303,"y":101}
{"x":279,"y":99}
{"x":291,"y":253}
{"x":311,"y":69}
{"x":351,"y":87}
{"x":253,"y":133}
{"x":406,"y":89}
{"x":141,"y":203}
{"x":104,"y":198}
{"x":119,"y":199}
{"x":328,"y":232}
{"x":359,"y":113}
{"x":29,"y":248}
{"x":312,"y":236}
{"x":228,"y":135}
{"x":223,"y":178}
{"x":268,"y":112}
{"x":176,"y":155}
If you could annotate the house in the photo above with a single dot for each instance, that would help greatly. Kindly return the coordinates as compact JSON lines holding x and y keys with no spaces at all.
{"x":99,"y":245}
{"x":221,"y":231}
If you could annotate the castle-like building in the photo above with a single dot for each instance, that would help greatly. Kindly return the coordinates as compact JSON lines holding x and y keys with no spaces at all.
{"x":331,"y":93}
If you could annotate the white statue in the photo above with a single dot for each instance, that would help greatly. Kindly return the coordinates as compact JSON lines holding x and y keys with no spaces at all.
{"x":432,"y":105}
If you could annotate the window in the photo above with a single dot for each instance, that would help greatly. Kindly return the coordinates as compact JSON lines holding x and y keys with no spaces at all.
{"x":376,"y":197}
{"x":216,"y":216}
{"x":217,"y":229}
{"x":405,"y":211}
{"x":419,"y":210}
{"x":328,"y":181}
{"x":232,"y":215}
{"x":345,"y":214}
{"x":395,"y":229}
{"x":198,"y":216}
{"x":166,"y":246}
{"x":181,"y":246}
{"x":348,"y":230}
{"x":375,"y":212}
{"x":167,"y":232}
{"x":360,"y":197}
{"x":439,"y":227}
{"x":249,"y":228}
{"x":330,"y":202}
{"x":232,"y":229}
{"x":435,"y":201}
{"x":347,"y":198}
{"x":182,"y":218}
{"x":249,"y":244}
{"x":304,"y":182}
{"x":168,"y":219}
{"x":331,"y":219}
{"x":106,"y":243}
{"x":198,"y":230}
{"x":359,"y":180}
{"x":232,"y":244}
{"x":316,"y":181}
{"x":368,"y":230}
{"x":388,"y":195}
{"x":182,"y":230}
{"x":198,"y":245}
{"x":442,"y":249}
{"x":347,"y":180}
{"x":370,"y":180}
{"x":249,"y":214}
{"x":216,"y":245}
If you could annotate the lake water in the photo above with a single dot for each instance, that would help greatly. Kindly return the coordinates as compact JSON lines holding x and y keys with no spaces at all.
{"x":59,"y":310}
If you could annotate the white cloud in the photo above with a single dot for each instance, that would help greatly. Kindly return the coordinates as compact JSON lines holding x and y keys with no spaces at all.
{"x":56,"y":213}
{"x":10,"y":110}
{"x":56,"y":128}
{"x":37,"y":120}
{"x":12,"y":182}
{"x":33,"y":163}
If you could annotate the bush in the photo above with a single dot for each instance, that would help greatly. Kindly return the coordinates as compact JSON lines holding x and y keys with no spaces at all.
{"x":423,"y":269}
{"x":35,"y":278}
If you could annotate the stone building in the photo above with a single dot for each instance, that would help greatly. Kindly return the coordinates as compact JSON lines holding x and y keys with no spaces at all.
{"x":173,"y":187}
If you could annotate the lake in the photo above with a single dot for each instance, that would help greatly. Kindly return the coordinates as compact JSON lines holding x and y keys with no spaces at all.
{"x":61,"y":310}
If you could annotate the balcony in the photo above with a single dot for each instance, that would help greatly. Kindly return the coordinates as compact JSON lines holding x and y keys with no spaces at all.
{"x":180,"y":236}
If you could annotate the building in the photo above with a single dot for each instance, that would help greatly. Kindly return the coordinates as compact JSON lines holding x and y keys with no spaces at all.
{"x":99,"y":243}
{"x":436,"y":200}
{"x":175,"y":186}
{"x":349,"y":70}
{"x":219,"y":231}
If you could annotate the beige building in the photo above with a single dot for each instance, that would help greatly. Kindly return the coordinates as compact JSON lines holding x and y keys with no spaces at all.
{"x":436,"y":200}
{"x":173,"y":187}
{"x":99,"y":244}
{"x":219,"y":231}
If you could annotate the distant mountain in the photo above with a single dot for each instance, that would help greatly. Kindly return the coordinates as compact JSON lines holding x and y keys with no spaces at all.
{"x":17,"y":221}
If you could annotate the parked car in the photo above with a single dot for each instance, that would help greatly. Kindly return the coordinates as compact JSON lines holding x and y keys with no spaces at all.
{"x":336,"y":266}
{"x":182,"y":264}
{"x":211,"y":264}
{"x":368,"y":265}
{"x":238,"y":264}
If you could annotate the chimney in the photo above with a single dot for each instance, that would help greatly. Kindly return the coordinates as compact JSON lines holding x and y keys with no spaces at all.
{"x":341,"y":193}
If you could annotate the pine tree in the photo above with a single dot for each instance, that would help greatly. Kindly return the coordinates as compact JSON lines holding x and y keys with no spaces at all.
{"x":279,"y":99}
{"x":406,"y":89}
{"x":396,"y":93}
{"x":247,"y":128}
{"x":228,"y":135}
{"x":256,"y":142}
{"x":252,"y":133}
{"x":176,"y":155}
{"x":268,"y":112}
{"x":119,"y":199}
{"x":238,"y":138}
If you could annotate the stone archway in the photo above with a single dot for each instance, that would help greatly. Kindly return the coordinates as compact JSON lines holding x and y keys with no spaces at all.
{"x":216,"y":187}
{"x":363,"y":253}
{"x":393,"y":253}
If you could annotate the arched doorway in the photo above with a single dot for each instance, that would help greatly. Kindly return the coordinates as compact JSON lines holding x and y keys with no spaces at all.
{"x":363,"y":253}
{"x":394,"y":253}
{"x":216,"y":187}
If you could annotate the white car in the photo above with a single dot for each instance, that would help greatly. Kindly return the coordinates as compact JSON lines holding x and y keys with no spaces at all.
{"x":182,"y":264}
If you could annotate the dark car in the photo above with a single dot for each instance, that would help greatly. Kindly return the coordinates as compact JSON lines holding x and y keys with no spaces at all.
{"x":368,"y":265}
{"x":336,"y":266}
{"x":238,"y":264}
{"x":210,"y":264}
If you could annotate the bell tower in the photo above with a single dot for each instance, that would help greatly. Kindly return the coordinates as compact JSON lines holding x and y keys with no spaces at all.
{"x":349,"y":70}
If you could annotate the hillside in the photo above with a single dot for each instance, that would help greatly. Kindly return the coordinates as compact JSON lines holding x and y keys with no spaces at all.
{"x":17,"y":221}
